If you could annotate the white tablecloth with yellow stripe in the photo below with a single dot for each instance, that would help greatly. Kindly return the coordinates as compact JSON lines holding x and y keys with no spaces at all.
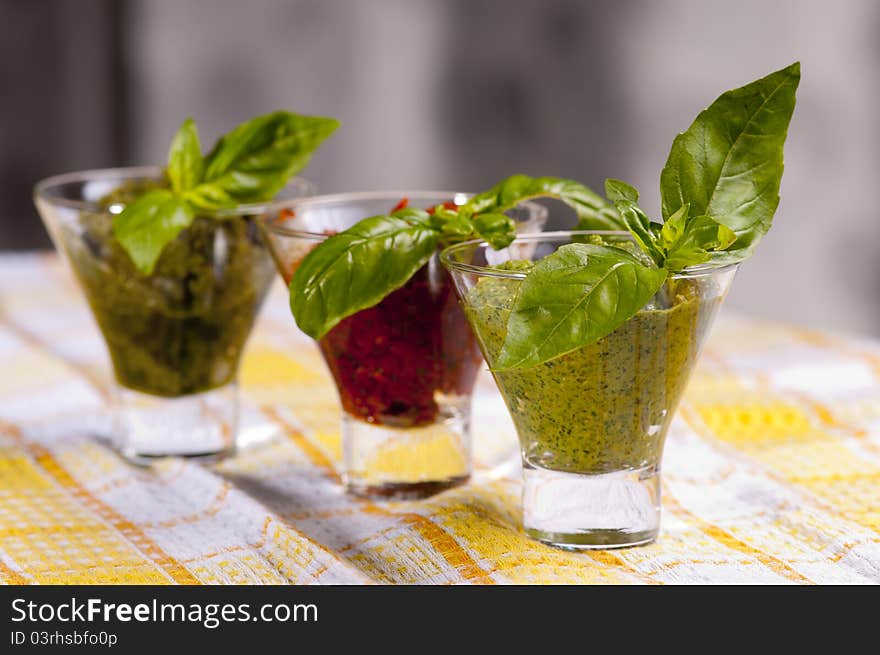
{"x":771,"y":471}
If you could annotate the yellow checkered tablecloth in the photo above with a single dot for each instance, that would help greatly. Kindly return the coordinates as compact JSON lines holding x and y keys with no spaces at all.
{"x":771,"y":471}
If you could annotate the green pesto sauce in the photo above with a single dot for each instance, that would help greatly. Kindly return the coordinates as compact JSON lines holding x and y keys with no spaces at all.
{"x":606,"y":406}
{"x":182,"y":329}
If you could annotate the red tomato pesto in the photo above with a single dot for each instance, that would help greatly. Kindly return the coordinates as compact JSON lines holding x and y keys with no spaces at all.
{"x":391,"y":361}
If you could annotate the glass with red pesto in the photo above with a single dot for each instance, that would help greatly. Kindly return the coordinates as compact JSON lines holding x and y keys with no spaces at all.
{"x":405,"y":368}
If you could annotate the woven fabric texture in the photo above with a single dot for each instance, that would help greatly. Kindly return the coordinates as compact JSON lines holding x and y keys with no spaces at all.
{"x":771,"y":471}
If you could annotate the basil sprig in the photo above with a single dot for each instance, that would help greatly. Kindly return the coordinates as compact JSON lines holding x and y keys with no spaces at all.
{"x":679,"y":242}
{"x":356,"y":268}
{"x":250,"y":164}
{"x":728,"y":164}
{"x":720,"y":189}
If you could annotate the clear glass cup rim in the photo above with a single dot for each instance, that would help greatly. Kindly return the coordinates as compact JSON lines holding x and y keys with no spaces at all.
{"x":459,"y":197}
{"x":446,"y":256}
{"x":44,"y":186}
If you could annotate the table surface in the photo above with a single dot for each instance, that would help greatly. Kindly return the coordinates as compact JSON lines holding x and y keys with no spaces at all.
{"x":771,"y":471}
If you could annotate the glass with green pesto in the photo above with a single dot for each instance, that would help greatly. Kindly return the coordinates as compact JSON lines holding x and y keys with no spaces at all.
{"x":175,"y":335}
{"x":592,"y":421}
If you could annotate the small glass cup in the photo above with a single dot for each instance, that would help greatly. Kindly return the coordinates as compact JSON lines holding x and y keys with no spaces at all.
{"x":176,"y":336}
{"x":591,"y":423}
{"x":405,"y":368}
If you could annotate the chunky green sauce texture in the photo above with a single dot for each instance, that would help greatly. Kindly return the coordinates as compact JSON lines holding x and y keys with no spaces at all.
{"x":182,"y":329}
{"x":606,"y":406}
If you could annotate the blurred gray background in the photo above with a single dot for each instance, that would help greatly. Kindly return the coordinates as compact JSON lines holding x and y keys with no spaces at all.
{"x":460,"y":93}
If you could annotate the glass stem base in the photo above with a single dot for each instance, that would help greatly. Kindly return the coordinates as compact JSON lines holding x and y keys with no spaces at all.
{"x":581,"y":511}
{"x":202,"y":425}
{"x":405,"y":463}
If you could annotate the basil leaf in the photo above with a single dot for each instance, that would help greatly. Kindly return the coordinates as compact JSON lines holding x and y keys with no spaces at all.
{"x":645,"y":233}
{"x":639,"y":225}
{"x":412,"y":215}
{"x":452,"y":227}
{"x":573,"y":297}
{"x":185,"y":164}
{"x":729,"y":162}
{"x":702,"y":237}
{"x":497,"y":229}
{"x":593,"y":211}
{"x":255,"y":160}
{"x":148,"y":224}
{"x":455,"y":231}
{"x":619,"y":190}
{"x":358,"y":267}
{"x":673,"y":227}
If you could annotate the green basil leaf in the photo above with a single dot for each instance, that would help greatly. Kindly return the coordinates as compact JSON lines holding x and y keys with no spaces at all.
{"x":412,"y":215}
{"x":619,"y":190}
{"x":497,"y":229}
{"x":255,"y":160}
{"x":673,"y":227}
{"x":452,"y":227}
{"x":639,"y":225}
{"x":148,"y":224}
{"x":729,"y":162}
{"x":573,"y":297}
{"x":593,"y":211}
{"x":702,"y":238}
{"x":185,"y":164}
{"x":355,"y":269}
